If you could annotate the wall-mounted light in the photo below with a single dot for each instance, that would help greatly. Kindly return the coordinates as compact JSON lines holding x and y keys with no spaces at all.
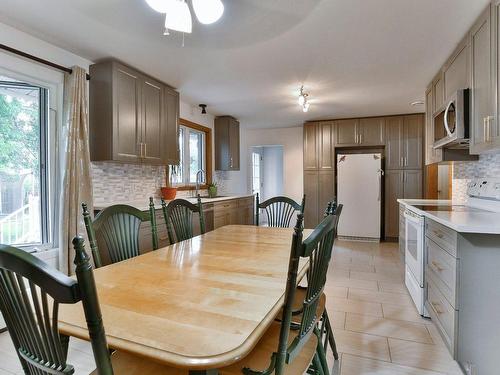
{"x":303,"y":100}
{"x":203,"y":108}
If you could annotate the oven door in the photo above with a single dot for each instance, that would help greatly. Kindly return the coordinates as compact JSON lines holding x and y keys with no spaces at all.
{"x":414,"y":245}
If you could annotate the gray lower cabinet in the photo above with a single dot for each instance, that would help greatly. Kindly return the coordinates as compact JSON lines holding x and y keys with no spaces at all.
{"x":227,"y":144}
{"x":462,"y":294}
{"x":399,"y":183}
{"x":132,"y":117}
{"x":311,"y":191}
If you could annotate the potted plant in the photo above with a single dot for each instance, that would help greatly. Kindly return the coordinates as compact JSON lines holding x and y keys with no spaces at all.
{"x":212,"y":189}
{"x":169,"y":192}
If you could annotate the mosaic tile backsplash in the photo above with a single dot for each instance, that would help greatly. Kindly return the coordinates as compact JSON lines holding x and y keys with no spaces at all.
{"x":463,"y":172}
{"x":122,"y":182}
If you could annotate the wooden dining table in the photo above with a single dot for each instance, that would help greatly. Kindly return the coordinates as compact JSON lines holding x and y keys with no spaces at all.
{"x":200,"y":304}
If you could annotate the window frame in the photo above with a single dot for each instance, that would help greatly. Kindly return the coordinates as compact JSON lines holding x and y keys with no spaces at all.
{"x":208,"y":154}
{"x":55,"y":132}
{"x":46,"y":231}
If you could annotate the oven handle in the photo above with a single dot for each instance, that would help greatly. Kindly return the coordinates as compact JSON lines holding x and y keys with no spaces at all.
{"x":446,"y":125}
{"x":410,"y":217}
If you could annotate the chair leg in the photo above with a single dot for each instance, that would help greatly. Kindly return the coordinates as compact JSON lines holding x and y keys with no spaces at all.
{"x":320,"y":352}
{"x":329,"y":335}
{"x":317,"y":365}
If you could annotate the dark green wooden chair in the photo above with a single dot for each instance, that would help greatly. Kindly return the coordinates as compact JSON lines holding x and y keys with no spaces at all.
{"x":114,"y":233}
{"x":296,"y":347}
{"x":326,"y":328}
{"x":30,"y":295}
{"x":178,"y":216}
{"x":279,"y":210}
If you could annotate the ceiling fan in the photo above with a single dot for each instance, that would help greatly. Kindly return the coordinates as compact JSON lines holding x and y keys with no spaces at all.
{"x":178,"y":14}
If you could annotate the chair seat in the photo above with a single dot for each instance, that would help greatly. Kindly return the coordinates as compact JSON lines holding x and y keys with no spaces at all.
{"x":258,"y":359}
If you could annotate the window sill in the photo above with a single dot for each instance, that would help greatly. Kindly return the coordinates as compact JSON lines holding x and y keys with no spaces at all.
{"x":191,"y":187}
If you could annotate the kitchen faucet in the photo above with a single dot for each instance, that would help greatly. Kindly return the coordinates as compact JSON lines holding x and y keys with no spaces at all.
{"x":199,"y":176}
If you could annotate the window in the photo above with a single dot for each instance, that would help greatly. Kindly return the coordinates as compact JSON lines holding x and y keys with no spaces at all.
{"x":23,"y":161}
{"x":194,"y":146}
{"x":256,"y":178}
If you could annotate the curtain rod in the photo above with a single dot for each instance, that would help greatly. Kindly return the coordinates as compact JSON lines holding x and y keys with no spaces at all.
{"x":37,"y":59}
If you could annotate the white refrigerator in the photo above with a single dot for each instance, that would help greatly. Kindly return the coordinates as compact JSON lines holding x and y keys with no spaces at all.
{"x":359,"y":189}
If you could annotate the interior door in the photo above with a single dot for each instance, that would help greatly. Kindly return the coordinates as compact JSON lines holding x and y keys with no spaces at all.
{"x":359,"y":187}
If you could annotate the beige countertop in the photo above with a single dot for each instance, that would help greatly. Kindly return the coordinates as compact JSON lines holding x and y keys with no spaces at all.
{"x":143,"y":204}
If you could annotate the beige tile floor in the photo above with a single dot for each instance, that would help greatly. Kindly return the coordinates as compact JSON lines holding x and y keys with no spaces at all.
{"x":376,"y":326}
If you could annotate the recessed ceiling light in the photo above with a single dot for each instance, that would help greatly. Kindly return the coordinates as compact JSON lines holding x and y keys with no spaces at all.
{"x":417,"y":102}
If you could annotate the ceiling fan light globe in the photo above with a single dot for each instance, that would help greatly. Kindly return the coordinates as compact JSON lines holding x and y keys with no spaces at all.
{"x":208,"y":11}
{"x":178,"y":17}
{"x":160,"y":6}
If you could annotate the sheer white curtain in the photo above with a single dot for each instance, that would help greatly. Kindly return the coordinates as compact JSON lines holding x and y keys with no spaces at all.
{"x":77,"y":182}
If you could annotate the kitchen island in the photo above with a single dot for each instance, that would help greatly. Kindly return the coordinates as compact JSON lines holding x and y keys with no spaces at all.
{"x":461,"y":274}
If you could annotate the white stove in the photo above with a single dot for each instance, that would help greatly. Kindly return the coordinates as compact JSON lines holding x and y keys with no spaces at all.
{"x":483,"y":197}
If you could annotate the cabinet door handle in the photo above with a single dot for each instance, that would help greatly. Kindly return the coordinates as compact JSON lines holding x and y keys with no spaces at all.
{"x":140,"y":144}
{"x":145,"y":149}
{"x":438,"y":234}
{"x":436,"y":305}
{"x":437,"y":266}
{"x":231,"y":162}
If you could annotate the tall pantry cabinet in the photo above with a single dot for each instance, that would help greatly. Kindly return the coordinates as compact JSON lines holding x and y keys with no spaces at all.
{"x":400,"y":136}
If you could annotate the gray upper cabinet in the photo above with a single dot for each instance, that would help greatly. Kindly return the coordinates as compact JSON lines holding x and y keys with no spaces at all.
{"x":310,"y":134}
{"x":152,"y":127}
{"x":481,"y":82}
{"x":438,"y":92}
{"x":432,"y":155}
{"x":131,"y":118}
{"x":371,"y":131}
{"x":227,"y":144}
{"x":326,"y":145}
{"x":360,"y":132}
{"x":412,"y":141}
{"x":394,"y":142}
{"x":346,"y":132}
{"x":404,"y":142}
{"x":172,"y":103}
{"x":457,"y":70}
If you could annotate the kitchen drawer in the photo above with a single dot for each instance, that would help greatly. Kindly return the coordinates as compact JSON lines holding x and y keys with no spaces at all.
{"x":443,"y":236}
{"x":444,"y":316}
{"x":226,"y":205}
{"x":245,"y":202}
{"x":445,"y":268}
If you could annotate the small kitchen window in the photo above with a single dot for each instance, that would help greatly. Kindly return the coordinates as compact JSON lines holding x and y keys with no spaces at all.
{"x":24,"y":197}
{"x":195,"y":154}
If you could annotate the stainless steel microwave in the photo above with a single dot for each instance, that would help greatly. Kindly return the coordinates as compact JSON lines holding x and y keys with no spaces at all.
{"x":451,"y":125}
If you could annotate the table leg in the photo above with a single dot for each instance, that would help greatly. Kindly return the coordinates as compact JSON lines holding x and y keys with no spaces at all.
{"x":204,"y":372}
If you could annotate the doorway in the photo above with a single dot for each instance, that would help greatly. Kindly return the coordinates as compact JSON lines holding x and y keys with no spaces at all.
{"x":267,"y":171}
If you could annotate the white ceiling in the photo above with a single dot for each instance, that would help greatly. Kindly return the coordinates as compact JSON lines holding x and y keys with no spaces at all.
{"x":354,"y":57}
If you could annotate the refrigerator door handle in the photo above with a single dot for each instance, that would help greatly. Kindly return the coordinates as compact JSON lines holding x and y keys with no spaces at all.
{"x":380,"y":174}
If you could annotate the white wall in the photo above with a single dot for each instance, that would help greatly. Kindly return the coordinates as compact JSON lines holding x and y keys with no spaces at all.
{"x":290,"y":139}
